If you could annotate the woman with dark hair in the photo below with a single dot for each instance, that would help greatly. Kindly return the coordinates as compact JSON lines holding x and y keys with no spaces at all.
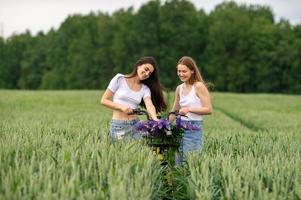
{"x":126,"y":92}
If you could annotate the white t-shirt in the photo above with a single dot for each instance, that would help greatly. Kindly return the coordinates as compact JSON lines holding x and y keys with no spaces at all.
{"x":124,"y":95}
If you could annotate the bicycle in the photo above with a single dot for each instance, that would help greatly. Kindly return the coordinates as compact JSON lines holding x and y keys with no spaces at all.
{"x":164,"y":140}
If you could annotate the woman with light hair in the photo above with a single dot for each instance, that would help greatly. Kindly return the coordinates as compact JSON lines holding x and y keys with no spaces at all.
{"x":192,"y":99}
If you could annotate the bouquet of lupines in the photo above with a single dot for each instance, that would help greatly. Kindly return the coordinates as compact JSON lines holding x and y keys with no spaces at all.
{"x":163,"y":131}
{"x":164,"y":137}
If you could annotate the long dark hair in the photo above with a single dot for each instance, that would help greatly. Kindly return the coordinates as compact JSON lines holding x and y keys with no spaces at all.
{"x":153,"y":82}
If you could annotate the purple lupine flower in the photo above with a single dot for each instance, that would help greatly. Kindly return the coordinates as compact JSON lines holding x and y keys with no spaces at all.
{"x":186,"y":125}
{"x":181,"y":123}
{"x":164,"y":124}
{"x":178,"y":123}
{"x":141,"y":126}
{"x":151,"y":123}
{"x":160,"y":124}
{"x":154,"y":128}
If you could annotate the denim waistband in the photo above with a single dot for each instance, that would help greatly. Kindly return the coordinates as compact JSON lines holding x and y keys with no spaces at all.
{"x":124,"y":122}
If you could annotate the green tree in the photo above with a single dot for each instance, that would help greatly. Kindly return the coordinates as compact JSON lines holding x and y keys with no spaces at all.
{"x":54,"y":76}
{"x":293,"y":76}
{"x":179,"y":36}
{"x":3,"y":71}
{"x":236,"y":41}
{"x":33,"y":64}
{"x":146,"y":27}
{"x":82,"y":72}
{"x":123,"y":49}
{"x":15,"y":47}
{"x":238,"y":47}
{"x":103,"y":55}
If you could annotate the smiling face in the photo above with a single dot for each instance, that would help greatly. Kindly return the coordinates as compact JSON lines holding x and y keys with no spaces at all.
{"x":144,"y":71}
{"x":184,"y":72}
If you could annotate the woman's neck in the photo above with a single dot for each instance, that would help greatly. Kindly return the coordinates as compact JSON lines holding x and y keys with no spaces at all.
{"x":187,"y":84}
{"x":136,"y":80}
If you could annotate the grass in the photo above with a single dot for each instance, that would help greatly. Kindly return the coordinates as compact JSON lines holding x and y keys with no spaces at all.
{"x":54,"y":145}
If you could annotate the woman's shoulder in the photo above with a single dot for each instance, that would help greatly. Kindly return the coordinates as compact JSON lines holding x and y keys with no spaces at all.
{"x":145,"y":87}
{"x":178,"y":88}
{"x":145,"y":90}
{"x":119,"y":75}
{"x":200,"y":85}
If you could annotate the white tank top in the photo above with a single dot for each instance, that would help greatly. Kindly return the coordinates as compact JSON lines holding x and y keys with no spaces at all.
{"x":190,"y":100}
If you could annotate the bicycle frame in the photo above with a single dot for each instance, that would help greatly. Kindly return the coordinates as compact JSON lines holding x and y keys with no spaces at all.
{"x":163,"y":145}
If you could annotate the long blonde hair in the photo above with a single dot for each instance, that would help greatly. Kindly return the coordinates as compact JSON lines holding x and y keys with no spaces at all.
{"x":191,"y":64}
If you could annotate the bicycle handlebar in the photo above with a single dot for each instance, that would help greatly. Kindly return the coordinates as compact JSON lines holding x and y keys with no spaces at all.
{"x":176,"y":113}
{"x":139,"y":111}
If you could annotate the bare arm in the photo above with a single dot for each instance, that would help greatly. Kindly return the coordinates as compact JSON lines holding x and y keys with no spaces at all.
{"x":150,"y":108}
{"x":176,"y":104}
{"x":106,"y":100}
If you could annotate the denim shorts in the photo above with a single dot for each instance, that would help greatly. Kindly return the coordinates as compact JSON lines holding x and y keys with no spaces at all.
{"x":124,"y":129}
{"x":191,"y":141}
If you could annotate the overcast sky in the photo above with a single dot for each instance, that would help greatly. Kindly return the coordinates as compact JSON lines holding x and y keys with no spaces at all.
{"x":40,"y":15}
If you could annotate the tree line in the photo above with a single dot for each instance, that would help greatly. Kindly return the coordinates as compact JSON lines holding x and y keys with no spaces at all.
{"x":238,"y":48}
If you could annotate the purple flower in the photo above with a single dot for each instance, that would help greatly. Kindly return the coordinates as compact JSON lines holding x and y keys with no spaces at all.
{"x":154,"y":127}
{"x":186,"y":125}
{"x":164,"y":124}
{"x":164,"y":127}
{"x":151,"y":123}
{"x":178,"y":122}
{"x":141,"y":126}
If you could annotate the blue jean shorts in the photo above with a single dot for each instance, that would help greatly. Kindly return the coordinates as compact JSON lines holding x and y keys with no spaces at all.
{"x":192,"y":141}
{"x":124,"y":129}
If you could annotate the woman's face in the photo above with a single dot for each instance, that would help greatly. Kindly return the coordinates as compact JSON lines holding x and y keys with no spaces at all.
{"x":184,"y":72}
{"x":144,"y":71}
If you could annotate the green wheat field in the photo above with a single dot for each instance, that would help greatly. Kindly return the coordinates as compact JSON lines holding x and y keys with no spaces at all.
{"x":54,"y":145}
